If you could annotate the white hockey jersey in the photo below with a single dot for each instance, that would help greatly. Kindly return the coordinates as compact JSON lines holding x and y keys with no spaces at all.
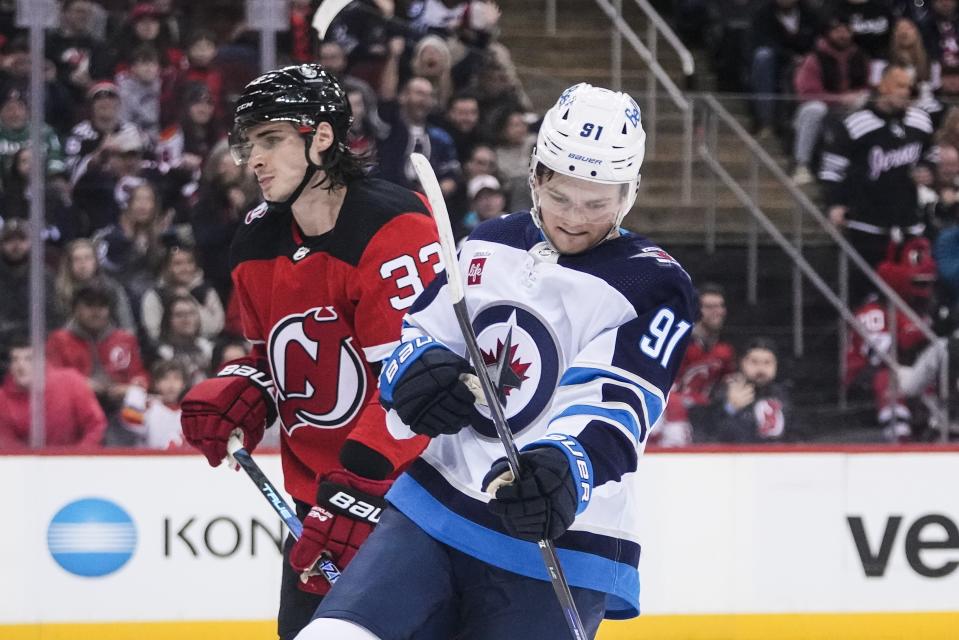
{"x":586,"y":346}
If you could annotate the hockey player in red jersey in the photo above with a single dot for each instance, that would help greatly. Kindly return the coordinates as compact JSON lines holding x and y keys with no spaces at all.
{"x":323,"y":272}
{"x":911,"y":271}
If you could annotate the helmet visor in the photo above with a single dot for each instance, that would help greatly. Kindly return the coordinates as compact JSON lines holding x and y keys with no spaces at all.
{"x":579,"y":203}
{"x":240,"y":147}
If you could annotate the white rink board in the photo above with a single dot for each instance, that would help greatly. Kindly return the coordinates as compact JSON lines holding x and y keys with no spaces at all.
{"x":163,"y":580}
{"x":722,"y":533}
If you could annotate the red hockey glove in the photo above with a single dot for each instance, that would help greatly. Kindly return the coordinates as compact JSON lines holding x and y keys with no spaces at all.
{"x":348,"y":507}
{"x":239,"y":397}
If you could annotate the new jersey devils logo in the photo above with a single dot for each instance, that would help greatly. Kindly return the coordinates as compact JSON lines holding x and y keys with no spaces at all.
{"x":320,"y":378}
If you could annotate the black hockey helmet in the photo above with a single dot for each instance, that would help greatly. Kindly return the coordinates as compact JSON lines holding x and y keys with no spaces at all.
{"x":304,"y":95}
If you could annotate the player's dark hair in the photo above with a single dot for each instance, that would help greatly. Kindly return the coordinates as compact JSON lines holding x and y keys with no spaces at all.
{"x":543,"y":173}
{"x":343,"y":165}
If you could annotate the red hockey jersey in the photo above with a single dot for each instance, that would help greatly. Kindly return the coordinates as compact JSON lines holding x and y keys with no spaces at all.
{"x":702,"y":368}
{"x":872,"y":315}
{"x":325,"y":310}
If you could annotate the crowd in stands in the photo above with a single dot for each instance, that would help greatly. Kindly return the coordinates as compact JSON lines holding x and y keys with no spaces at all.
{"x":142,"y":197}
{"x":862,"y":94}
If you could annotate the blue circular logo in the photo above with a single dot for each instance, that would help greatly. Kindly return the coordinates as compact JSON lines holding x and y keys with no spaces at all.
{"x":91,"y":537}
{"x":523,"y":359}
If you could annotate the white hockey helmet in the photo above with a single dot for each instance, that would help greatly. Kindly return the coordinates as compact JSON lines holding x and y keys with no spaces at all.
{"x":594,"y":134}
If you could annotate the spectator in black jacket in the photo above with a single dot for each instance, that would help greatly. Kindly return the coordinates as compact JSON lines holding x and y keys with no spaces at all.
{"x":783,"y":31}
{"x":867,"y":169}
{"x":750,"y":405}
{"x":871,"y":22}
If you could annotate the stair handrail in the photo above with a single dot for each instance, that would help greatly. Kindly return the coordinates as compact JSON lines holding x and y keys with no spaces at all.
{"x":615,"y":16}
{"x":663,"y":29}
{"x":623,"y":31}
{"x":808,"y":207}
{"x":898,"y":305}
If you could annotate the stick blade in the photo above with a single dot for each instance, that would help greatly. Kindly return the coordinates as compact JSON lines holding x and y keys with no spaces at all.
{"x":325,"y":14}
{"x":427,"y":178}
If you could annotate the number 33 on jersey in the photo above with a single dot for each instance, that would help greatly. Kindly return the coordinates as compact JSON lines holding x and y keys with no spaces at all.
{"x":325,"y":310}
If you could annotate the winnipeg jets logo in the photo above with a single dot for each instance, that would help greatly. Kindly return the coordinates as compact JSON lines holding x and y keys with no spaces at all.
{"x":312,"y":391}
{"x":567,"y":97}
{"x":524,"y":361}
{"x":504,"y":368}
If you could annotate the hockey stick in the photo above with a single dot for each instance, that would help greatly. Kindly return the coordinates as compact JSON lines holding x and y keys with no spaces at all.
{"x":454,"y":286}
{"x":324,"y":15}
{"x":243,"y":458}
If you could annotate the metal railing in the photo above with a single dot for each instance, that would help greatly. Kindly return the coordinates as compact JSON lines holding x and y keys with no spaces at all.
{"x":656,"y":27}
{"x":714,"y":115}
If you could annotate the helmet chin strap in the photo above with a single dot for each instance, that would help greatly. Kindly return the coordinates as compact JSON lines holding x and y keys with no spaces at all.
{"x":311,"y":169}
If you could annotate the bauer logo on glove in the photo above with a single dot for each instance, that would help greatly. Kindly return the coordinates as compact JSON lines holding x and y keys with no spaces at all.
{"x":354,"y":507}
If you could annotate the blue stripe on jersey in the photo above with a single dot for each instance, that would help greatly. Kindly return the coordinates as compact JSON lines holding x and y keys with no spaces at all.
{"x":620,"y":581}
{"x":613,"y":549}
{"x":581,"y":375}
{"x":610,"y":451}
{"x":616,"y":393}
{"x":620,"y":416}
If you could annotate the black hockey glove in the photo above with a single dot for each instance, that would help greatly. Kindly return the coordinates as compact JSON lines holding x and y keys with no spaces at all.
{"x":542,"y":505}
{"x":430,"y":397}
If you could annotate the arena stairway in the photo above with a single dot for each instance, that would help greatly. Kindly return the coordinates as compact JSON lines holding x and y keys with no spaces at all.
{"x":580,"y":51}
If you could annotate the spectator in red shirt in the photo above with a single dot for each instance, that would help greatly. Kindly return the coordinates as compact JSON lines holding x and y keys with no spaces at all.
{"x":707,"y":361}
{"x":73,"y":416}
{"x":107,"y":356}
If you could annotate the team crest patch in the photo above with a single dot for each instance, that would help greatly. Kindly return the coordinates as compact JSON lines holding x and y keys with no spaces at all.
{"x":475,"y":274}
{"x":523,"y":359}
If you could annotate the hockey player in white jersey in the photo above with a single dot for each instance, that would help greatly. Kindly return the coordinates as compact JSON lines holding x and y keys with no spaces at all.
{"x":582,"y":325}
